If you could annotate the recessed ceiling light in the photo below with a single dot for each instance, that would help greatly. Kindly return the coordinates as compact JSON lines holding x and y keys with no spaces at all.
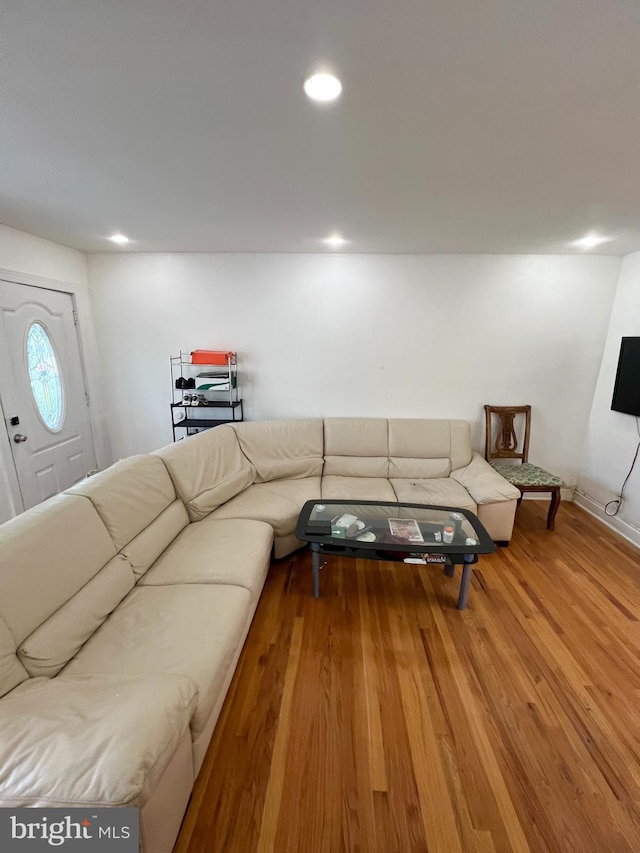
{"x":590,"y":241}
{"x":323,"y":87}
{"x":335,"y":241}
{"x":120,"y":239}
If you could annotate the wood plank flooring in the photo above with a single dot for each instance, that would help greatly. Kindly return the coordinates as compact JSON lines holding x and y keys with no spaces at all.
{"x":380,"y":719}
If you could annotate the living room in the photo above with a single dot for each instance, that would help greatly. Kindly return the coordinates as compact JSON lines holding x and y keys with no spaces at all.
{"x":490,"y":254}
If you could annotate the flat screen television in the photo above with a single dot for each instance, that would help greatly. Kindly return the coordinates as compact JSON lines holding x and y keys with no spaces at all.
{"x":626,"y":391}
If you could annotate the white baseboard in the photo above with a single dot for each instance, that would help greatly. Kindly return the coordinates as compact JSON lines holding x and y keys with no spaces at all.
{"x":628,"y":531}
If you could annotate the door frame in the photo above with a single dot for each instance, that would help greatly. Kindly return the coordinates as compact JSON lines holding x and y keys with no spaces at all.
{"x":99,"y":439}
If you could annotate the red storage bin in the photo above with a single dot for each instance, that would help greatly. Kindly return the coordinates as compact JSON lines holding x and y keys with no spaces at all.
{"x":209,"y":356}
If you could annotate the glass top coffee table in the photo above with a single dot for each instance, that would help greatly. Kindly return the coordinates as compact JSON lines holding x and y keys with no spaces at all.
{"x":410,"y":533}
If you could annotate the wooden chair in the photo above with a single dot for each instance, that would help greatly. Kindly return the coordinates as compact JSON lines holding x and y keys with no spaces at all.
{"x":526,"y":477}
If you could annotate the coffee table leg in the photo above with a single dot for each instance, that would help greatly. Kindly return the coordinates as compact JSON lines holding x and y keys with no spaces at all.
{"x":315,"y":562}
{"x":464,"y":583}
{"x":450,"y":570}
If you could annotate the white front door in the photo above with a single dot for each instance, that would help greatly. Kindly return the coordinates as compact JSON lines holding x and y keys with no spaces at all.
{"x":42,"y":391}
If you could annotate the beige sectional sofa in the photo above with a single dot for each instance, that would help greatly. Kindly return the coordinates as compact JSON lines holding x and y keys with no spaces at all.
{"x":125,"y":601}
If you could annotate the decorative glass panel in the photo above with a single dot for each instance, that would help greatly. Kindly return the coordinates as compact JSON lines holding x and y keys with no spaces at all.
{"x":45,"y":377}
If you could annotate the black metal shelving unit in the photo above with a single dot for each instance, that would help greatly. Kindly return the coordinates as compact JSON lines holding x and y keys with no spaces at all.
{"x":217,"y":400}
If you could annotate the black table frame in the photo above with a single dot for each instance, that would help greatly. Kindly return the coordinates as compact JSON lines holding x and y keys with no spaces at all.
{"x":455,"y":553}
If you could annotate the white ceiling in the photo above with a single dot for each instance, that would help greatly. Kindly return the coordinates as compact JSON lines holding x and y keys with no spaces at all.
{"x":464,"y":125}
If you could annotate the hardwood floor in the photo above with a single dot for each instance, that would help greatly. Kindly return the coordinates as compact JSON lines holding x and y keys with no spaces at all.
{"x":380,"y":719}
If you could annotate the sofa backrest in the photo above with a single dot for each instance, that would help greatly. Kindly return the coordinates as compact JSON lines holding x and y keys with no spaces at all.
{"x":395,"y":448}
{"x":424,"y":448}
{"x":207,"y":469}
{"x":136,"y":500}
{"x":48,"y":555}
{"x":282,"y":450}
{"x":66,"y":564}
{"x":356,"y":447}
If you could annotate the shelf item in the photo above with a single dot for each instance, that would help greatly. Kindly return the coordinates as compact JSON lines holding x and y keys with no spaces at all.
{"x":215,"y":381}
{"x":208,"y":356}
{"x":218,"y":387}
{"x":211,"y":404}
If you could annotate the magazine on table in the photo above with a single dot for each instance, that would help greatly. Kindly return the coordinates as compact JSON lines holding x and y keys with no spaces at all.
{"x":405,"y":528}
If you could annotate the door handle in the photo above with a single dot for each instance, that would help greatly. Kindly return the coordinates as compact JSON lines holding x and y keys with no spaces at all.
{"x":18,"y":438}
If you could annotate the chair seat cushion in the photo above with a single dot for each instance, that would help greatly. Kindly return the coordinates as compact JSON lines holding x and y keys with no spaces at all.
{"x":526,"y":474}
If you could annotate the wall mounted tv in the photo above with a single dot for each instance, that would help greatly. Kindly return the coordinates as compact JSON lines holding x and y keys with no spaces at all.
{"x":626,"y":392}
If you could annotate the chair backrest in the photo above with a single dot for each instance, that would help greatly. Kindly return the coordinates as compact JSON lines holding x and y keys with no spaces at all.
{"x":505,"y":445}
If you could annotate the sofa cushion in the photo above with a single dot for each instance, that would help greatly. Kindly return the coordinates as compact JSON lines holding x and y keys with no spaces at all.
{"x":227,"y":551}
{"x":427,"y":448}
{"x":441,"y":491}
{"x":357,"y":488}
{"x":46,"y":555}
{"x":278,"y":503}
{"x":356,"y":447}
{"x":12,"y":672}
{"x":207,"y":469}
{"x":129,"y":495}
{"x":186,"y":629}
{"x":56,"y":641}
{"x":282,"y":450}
{"x":90,"y":740}
{"x":145,"y":548}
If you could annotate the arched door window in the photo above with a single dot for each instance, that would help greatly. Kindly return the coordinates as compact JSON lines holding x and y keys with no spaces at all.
{"x":44,"y":373}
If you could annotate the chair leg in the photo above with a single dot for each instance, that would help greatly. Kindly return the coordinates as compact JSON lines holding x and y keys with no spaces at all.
{"x":553,"y":508}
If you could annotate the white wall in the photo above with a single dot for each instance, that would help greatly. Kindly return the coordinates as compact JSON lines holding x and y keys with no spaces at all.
{"x":613,"y":437}
{"x":24,"y":253}
{"x":31,"y":260}
{"x":387,"y":335}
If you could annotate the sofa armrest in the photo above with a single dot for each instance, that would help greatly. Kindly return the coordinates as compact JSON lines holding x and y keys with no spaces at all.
{"x":484,"y":484}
